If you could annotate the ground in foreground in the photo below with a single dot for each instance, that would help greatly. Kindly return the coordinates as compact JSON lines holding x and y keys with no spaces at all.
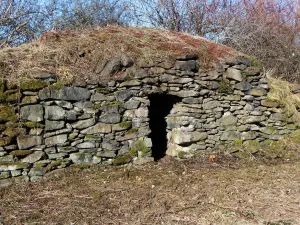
{"x":194,"y":191}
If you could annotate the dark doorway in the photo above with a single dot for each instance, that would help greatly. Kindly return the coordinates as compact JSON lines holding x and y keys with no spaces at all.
{"x":160,"y":107}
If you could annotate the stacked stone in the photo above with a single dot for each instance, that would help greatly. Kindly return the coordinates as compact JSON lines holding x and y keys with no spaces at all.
{"x":105,"y":120}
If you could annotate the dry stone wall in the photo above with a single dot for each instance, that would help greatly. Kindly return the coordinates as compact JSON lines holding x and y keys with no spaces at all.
{"x":47,"y":125}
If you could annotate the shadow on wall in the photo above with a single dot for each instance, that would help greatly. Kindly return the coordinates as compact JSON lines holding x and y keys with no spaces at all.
{"x":160,"y":107}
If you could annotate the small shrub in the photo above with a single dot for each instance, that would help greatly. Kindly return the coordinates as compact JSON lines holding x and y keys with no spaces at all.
{"x":139,"y":146}
{"x":254,"y":61}
{"x":225,"y":88}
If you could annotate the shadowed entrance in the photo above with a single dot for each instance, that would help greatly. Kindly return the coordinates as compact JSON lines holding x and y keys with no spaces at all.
{"x":160,"y":107}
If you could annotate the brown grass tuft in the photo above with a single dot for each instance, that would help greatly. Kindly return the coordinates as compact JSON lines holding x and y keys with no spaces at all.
{"x":60,"y":49}
{"x":193,"y":191}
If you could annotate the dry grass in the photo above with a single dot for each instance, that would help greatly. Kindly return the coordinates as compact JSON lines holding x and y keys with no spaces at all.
{"x":61,"y":51}
{"x":193,"y":191}
{"x":282,"y":92}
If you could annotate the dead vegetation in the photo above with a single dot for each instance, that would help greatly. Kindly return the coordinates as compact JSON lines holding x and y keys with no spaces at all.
{"x":76,"y":53}
{"x":194,"y":191}
{"x":286,"y":94}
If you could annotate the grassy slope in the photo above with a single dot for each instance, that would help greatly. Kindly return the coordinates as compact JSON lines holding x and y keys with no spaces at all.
{"x":60,"y":52}
{"x":194,"y":191}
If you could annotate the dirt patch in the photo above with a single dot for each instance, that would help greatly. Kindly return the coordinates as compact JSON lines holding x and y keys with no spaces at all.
{"x":194,"y":191}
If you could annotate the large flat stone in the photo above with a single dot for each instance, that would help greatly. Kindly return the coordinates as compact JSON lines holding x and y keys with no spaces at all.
{"x":87,"y":144}
{"x":11,"y":166}
{"x":82,"y":124}
{"x":211,"y":105}
{"x":124,"y":95}
{"x":98,"y":128}
{"x":110,"y":118}
{"x":190,"y":65}
{"x":34,"y":157}
{"x":185,"y":93}
{"x":180,"y":137}
{"x":81,"y":158}
{"x":54,"y":113}
{"x":230,"y":136}
{"x":234,"y":74}
{"x":65,"y":93}
{"x":25,"y":142}
{"x":56,"y":140}
{"x":252,"y":119}
{"x":54,"y":125}
{"x":228,"y":120}
{"x":32,"y":113}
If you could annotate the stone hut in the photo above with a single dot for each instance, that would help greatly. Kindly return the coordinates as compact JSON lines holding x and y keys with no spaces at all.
{"x":134,"y":111}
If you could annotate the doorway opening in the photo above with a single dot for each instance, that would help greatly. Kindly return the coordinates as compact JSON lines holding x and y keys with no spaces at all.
{"x":160,"y":107}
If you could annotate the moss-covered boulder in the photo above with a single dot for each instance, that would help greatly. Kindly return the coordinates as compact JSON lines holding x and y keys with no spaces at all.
{"x":20,"y":153}
{"x":32,"y":85}
{"x":13,"y":132}
{"x":9,"y":166}
{"x":5,"y":141}
{"x":7,"y":113}
{"x":29,"y":100}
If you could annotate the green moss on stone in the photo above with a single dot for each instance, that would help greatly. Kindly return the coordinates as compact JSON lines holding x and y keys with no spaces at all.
{"x":4,"y":175}
{"x":2,"y":84}
{"x":29,"y":100}
{"x":181,"y":154}
{"x":13,"y":132}
{"x":11,"y":85}
{"x":5,"y":141}
{"x":34,"y":125}
{"x":2,"y":127}
{"x":13,"y":98}
{"x":20,"y":153}
{"x":18,"y":165}
{"x":291,"y":126}
{"x":132,"y":130}
{"x":244,"y":73}
{"x":102,"y":90}
{"x":225,"y":87}
{"x":115,"y":103}
{"x":10,"y":96}
{"x":54,"y":165}
{"x":58,"y":85}
{"x":139,"y":146}
{"x":92,"y":137}
{"x":125,"y":124}
{"x":7,"y":113}
{"x":97,"y":106}
{"x":3,"y":97}
{"x":32,"y":85}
